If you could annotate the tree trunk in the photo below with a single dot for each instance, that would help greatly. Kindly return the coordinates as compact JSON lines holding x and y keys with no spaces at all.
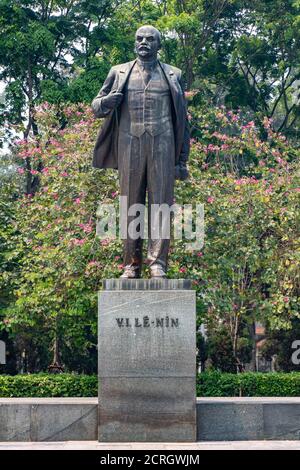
{"x":56,"y":366}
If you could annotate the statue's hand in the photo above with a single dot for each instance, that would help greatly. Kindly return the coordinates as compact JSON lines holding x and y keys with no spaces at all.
{"x":112,"y":100}
{"x":181,"y":172}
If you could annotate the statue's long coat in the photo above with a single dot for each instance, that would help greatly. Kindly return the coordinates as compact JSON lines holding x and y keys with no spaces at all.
{"x":106,"y":148}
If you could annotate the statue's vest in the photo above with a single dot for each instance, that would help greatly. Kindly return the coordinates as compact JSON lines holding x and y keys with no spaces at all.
{"x":146,"y":107}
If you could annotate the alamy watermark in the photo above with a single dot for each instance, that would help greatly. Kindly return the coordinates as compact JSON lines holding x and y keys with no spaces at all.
{"x":2,"y":352}
{"x":295,"y":358}
{"x":137,"y":221}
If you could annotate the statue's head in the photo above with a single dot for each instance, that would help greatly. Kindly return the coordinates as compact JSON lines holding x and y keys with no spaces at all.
{"x":147,"y":42}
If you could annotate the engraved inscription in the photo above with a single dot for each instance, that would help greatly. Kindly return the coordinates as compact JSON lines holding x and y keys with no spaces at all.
{"x":144,"y":322}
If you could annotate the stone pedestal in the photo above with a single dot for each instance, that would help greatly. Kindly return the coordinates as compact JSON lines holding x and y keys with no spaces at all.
{"x":147,"y":361}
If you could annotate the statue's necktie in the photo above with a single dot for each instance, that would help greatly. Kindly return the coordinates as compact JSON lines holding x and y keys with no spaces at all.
{"x":146,"y":73}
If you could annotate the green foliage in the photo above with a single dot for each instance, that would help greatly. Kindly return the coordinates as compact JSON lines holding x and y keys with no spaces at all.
{"x":248,"y":268}
{"x":220,"y":349}
{"x":209,"y":384}
{"x":241,"y":53}
{"x":30,"y":36}
{"x":43,"y":44}
{"x":264,"y":54}
{"x":10,"y":187}
{"x":279,"y":345}
{"x":238,"y":52}
{"x":45,"y":385}
{"x":246,"y":271}
{"x":216,"y":384}
{"x":60,"y":261}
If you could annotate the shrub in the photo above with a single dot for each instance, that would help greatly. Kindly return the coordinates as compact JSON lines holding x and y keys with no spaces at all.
{"x":249,"y":384}
{"x":209,"y":384}
{"x":46,"y":385}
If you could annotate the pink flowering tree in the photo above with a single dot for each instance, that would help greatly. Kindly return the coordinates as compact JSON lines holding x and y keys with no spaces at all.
{"x":246,"y":271}
{"x":61,"y":263}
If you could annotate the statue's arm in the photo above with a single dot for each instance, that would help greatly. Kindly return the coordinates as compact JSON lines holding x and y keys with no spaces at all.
{"x":181,"y":172}
{"x":185,"y":150}
{"x":98,"y":107}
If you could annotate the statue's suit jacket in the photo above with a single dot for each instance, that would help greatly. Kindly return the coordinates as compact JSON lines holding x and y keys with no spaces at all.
{"x":106,"y":147}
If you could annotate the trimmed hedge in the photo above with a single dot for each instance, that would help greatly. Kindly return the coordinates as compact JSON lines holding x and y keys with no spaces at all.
{"x":48,"y":385}
{"x":209,"y":384}
{"x":248,"y":384}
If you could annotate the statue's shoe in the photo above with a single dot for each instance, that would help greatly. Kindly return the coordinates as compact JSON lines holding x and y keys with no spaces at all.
{"x":157,"y":271}
{"x":131,"y":272}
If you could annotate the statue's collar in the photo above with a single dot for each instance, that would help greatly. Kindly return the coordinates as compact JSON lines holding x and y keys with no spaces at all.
{"x":147,"y":64}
